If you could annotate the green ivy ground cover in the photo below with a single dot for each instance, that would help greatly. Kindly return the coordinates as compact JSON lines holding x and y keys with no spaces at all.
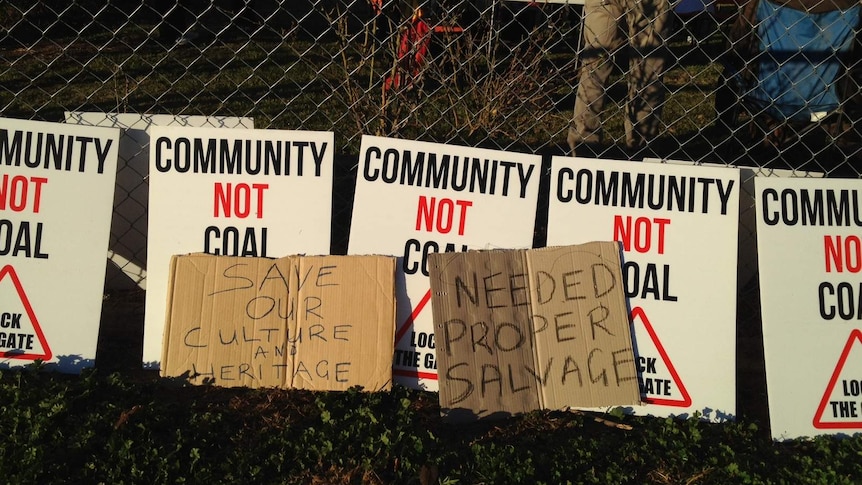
{"x":120,"y":428}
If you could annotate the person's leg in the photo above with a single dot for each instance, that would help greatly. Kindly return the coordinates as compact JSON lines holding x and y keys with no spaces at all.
{"x":649,"y":23}
{"x":601,"y":39}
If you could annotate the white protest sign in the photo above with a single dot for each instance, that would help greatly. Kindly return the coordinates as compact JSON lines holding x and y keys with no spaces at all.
{"x":678,"y":229}
{"x":415,"y":198}
{"x":56,"y":189}
{"x":810,"y":259}
{"x":233,"y":193}
{"x":128,"y":242}
{"x":747,"y":245}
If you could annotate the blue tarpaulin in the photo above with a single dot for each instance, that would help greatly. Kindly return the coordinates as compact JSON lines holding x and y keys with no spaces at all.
{"x":800,"y":58}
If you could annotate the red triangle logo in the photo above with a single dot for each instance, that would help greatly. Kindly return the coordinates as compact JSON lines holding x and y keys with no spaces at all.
{"x":658,"y":391}
{"x":25,"y":302}
{"x":845,"y":408}
{"x":402,"y":330}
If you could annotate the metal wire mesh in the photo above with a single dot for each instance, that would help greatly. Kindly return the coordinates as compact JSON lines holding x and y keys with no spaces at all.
{"x":490,"y":73}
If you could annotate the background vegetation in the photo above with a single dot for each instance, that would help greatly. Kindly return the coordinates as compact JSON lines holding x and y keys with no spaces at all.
{"x":110,"y":427}
{"x":322,"y":65}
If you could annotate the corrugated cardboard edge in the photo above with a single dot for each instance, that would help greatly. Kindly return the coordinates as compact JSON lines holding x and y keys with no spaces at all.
{"x":166,"y":335}
{"x":618,"y":256}
{"x":392,"y":292}
{"x":604,"y":251}
{"x":175,"y":263}
{"x":382,"y":272}
{"x":477,"y":406}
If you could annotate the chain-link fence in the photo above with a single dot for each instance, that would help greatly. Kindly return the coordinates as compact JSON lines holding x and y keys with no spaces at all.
{"x":738,"y":86}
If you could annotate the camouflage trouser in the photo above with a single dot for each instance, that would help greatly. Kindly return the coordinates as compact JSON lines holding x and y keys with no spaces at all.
{"x":647,"y":23}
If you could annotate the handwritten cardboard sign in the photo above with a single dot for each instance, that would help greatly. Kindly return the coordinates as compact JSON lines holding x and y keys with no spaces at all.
{"x":520,"y":330}
{"x":304,"y":322}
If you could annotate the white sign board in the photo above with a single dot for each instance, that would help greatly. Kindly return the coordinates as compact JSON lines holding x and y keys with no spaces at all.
{"x":678,"y":229}
{"x":747,"y":245}
{"x":810,"y":260}
{"x":234,"y":193}
{"x":56,"y":189}
{"x":128,"y":242}
{"x":414,"y":198}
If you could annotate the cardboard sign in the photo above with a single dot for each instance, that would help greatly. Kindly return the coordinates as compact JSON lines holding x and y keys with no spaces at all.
{"x":810,"y":261}
{"x":56,"y":188}
{"x":524,"y":330}
{"x":678,"y":228}
{"x":252,"y":193}
{"x":303,"y":322}
{"x":414,"y":199}
{"x":128,"y":243}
